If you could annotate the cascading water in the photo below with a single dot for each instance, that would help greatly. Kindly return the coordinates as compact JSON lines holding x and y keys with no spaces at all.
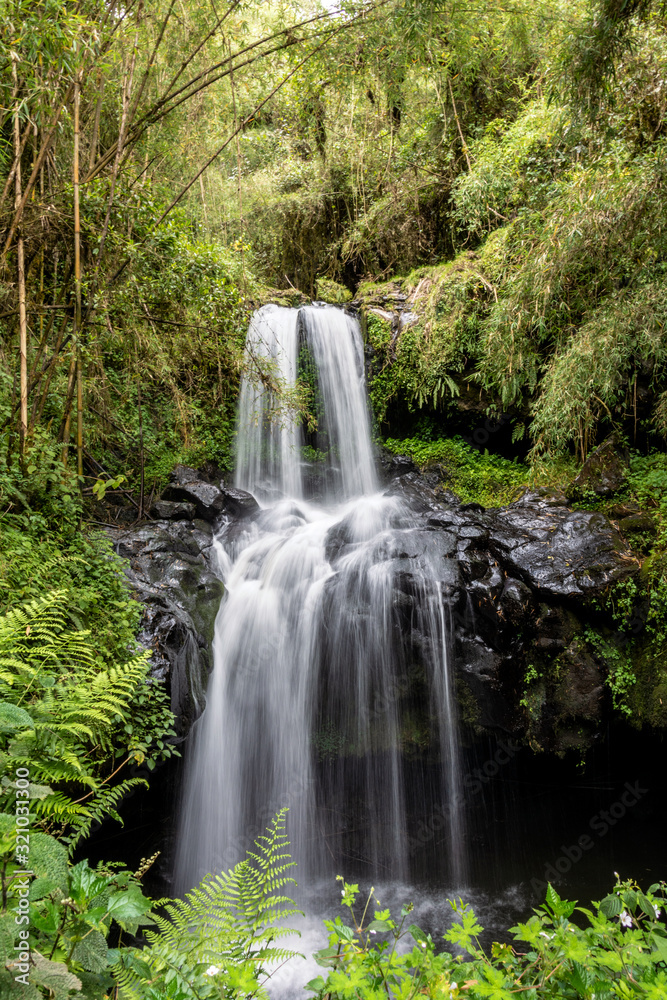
{"x":333,"y":615}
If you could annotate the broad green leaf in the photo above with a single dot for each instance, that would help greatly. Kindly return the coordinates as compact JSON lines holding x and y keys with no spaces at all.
{"x":611,"y":905}
{"x":13,"y":717}
{"x":91,"y":952}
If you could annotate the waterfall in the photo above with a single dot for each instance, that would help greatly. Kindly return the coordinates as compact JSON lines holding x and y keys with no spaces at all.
{"x":333,"y":614}
{"x":267,"y":454}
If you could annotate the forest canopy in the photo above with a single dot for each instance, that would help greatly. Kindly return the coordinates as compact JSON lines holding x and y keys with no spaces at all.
{"x":163,"y":165}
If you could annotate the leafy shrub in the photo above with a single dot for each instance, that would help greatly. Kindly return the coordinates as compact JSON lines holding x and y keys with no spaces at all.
{"x":72,"y":720}
{"x":214,"y":943}
{"x":475,"y":476}
{"x":622,"y":953}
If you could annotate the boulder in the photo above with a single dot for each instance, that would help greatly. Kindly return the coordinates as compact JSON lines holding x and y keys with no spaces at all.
{"x":391,"y":466}
{"x":238,"y":503}
{"x":206,"y":498}
{"x":557,"y":551}
{"x":170,"y":510}
{"x":170,"y":572}
{"x":604,"y":471}
{"x":415,"y":493}
{"x":637,"y":524}
{"x":182,"y":474}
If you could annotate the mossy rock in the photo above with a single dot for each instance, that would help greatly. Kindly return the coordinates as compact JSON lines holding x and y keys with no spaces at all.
{"x":330,"y":291}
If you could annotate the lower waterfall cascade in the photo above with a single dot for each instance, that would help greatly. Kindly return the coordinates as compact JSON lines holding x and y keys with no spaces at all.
{"x":333,"y":613}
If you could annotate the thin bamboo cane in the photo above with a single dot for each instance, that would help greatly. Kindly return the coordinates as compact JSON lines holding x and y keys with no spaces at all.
{"x":20,"y":261}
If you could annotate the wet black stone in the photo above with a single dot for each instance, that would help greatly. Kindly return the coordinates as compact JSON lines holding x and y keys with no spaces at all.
{"x":604,"y":471}
{"x":207,"y":499}
{"x":558,"y":551}
{"x":169,"y":572}
{"x":170,"y":510}
{"x":391,"y":466}
{"x":238,"y":503}
{"x":415,"y":493}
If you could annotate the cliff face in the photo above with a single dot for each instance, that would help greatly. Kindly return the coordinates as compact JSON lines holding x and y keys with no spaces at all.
{"x":526,"y":585}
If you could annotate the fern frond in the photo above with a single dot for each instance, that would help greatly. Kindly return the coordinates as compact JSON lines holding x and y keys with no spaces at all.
{"x":100,"y":806}
{"x":231,"y":918}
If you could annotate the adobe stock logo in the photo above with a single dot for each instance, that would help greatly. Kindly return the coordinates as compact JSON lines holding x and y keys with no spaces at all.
{"x":600,"y":824}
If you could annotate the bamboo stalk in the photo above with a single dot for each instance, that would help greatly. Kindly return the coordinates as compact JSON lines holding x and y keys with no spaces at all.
{"x":18,"y":211}
{"x":20,"y":262}
{"x":141,"y":444}
{"x":458,"y":125}
{"x":92,"y":155}
{"x":77,"y":281}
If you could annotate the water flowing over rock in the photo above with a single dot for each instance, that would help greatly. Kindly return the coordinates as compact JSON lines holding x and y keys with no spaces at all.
{"x":347,"y":607}
{"x":524,"y":585}
{"x":334,"y":611}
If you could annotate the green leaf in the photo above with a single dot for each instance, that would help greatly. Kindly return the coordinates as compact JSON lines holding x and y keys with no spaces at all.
{"x":91,"y":952}
{"x":12,"y":717}
{"x":659,"y":947}
{"x":128,"y":906}
{"x":611,"y":905}
{"x":55,"y":976}
{"x":85,"y":884}
{"x":316,"y":985}
{"x":553,"y":899}
{"x":379,"y":925}
{"x":48,"y":859}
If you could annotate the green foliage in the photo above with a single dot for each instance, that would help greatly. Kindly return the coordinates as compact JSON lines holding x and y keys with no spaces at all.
{"x":34,"y":560}
{"x":72,"y":720}
{"x":330,"y":291}
{"x":622,"y":953}
{"x":620,"y":675}
{"x":217,"y":941}
{"x":474,"y":476}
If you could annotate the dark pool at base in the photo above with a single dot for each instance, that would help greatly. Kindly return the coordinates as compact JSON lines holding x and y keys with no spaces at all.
{"x":536,"y":819}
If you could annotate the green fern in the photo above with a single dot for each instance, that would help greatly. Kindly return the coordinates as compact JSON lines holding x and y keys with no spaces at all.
{"x":229,"y":922}
{"x":66,"y":716}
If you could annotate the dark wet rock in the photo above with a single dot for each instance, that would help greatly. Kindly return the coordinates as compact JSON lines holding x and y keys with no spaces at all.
{"x":555,"y":627}
{"x":182,"y":474}
{"x":415,"y":493}
{"x":392,"y":466}
{"x":170,"y":573}
{"x":558,"y":551}
{"x":238,"y":503}
{"x":530,"y":577}
{"x":171,"y":510}
{"x":516,"y":604}
{"x":604,"y":471}
{"x":579,"y":694}
{"x":420,"y":554}
{"x":621,"y":510}
{"x":206,"y":498}
{"x":481,"y":666}
{"x":637,"y":523}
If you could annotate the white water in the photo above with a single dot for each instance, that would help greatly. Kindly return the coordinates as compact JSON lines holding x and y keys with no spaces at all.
{"x":313,"y":651}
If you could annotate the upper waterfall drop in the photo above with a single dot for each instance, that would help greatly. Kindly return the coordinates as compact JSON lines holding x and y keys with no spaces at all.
{"x":269,"y":438}
{"x":334,"y":342}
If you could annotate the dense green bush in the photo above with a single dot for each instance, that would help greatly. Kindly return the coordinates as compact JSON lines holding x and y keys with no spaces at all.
{"x":473,"y":475}
{"x":621,"y":952}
